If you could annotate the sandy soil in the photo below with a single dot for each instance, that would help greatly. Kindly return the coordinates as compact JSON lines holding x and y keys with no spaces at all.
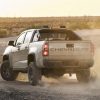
{"x":64,"y":88}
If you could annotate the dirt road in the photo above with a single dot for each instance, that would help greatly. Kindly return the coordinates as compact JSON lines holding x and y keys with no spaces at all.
{"x":65,"y":88}
{"x":51,"y":89}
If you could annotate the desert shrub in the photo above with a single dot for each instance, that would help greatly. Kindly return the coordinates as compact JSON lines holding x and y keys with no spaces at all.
{"x":3,"y":33}
{"x":33,"y":27}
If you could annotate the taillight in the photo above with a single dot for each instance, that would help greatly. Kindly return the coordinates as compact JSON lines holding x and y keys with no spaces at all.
{"x":45,"y":50}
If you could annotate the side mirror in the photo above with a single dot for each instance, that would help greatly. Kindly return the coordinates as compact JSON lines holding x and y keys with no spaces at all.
{"x":11,"y":43}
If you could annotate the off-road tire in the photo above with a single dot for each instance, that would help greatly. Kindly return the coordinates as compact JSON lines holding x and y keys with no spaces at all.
{"x":7,"y":72}
{"x":83,"y":76}
{"x":34,"y":74}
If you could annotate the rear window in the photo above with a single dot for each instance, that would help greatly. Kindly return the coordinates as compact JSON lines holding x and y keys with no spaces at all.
{"x":62,"y":35}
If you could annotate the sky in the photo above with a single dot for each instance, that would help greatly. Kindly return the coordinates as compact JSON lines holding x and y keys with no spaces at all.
{"x":49,"y":8}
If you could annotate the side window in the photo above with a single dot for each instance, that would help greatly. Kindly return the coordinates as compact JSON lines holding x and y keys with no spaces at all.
{"x":28,"y":36}
{"x":20,"y":39}
{"x":36,"y":36}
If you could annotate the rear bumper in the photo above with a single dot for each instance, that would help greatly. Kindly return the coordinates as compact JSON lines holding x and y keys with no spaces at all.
{"x":68,"y":63}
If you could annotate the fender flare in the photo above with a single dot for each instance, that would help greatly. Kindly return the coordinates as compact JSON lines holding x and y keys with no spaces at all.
{"x":5,"y":57}
{"x":31,"y":58}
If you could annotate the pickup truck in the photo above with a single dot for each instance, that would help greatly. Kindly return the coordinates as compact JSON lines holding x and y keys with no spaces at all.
{"x":49,"y":52}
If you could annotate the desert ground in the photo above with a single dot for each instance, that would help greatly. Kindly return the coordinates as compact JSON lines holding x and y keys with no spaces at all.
{"x":64,"y":88}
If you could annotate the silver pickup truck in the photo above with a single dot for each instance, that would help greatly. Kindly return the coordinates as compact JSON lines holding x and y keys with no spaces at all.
{"x":50,"y":52}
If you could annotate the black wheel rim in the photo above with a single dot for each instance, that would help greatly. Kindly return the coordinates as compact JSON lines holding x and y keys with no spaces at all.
{"x":6,"y":72}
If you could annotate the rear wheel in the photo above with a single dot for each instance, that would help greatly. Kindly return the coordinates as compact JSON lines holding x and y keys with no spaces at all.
{"x":83,"y":75}
{"x":7,"y":72}
{"x":34,"y":74}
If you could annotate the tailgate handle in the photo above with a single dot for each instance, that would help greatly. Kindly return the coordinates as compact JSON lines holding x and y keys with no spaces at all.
{"x":70,"y":45}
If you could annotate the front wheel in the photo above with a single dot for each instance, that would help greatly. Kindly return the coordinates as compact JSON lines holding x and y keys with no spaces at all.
{"x":7,"y":72}
{"x":34,"y":74}
{"x":83,"y":75}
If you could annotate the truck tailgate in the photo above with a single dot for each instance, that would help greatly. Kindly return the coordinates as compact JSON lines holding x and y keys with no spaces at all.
{"x":65,"y":50}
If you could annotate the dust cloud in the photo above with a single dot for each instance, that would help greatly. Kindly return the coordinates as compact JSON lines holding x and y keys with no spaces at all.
{"x":94,"y":36}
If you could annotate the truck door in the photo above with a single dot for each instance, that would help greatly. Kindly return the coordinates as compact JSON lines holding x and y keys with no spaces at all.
{"x":21,"y":50}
